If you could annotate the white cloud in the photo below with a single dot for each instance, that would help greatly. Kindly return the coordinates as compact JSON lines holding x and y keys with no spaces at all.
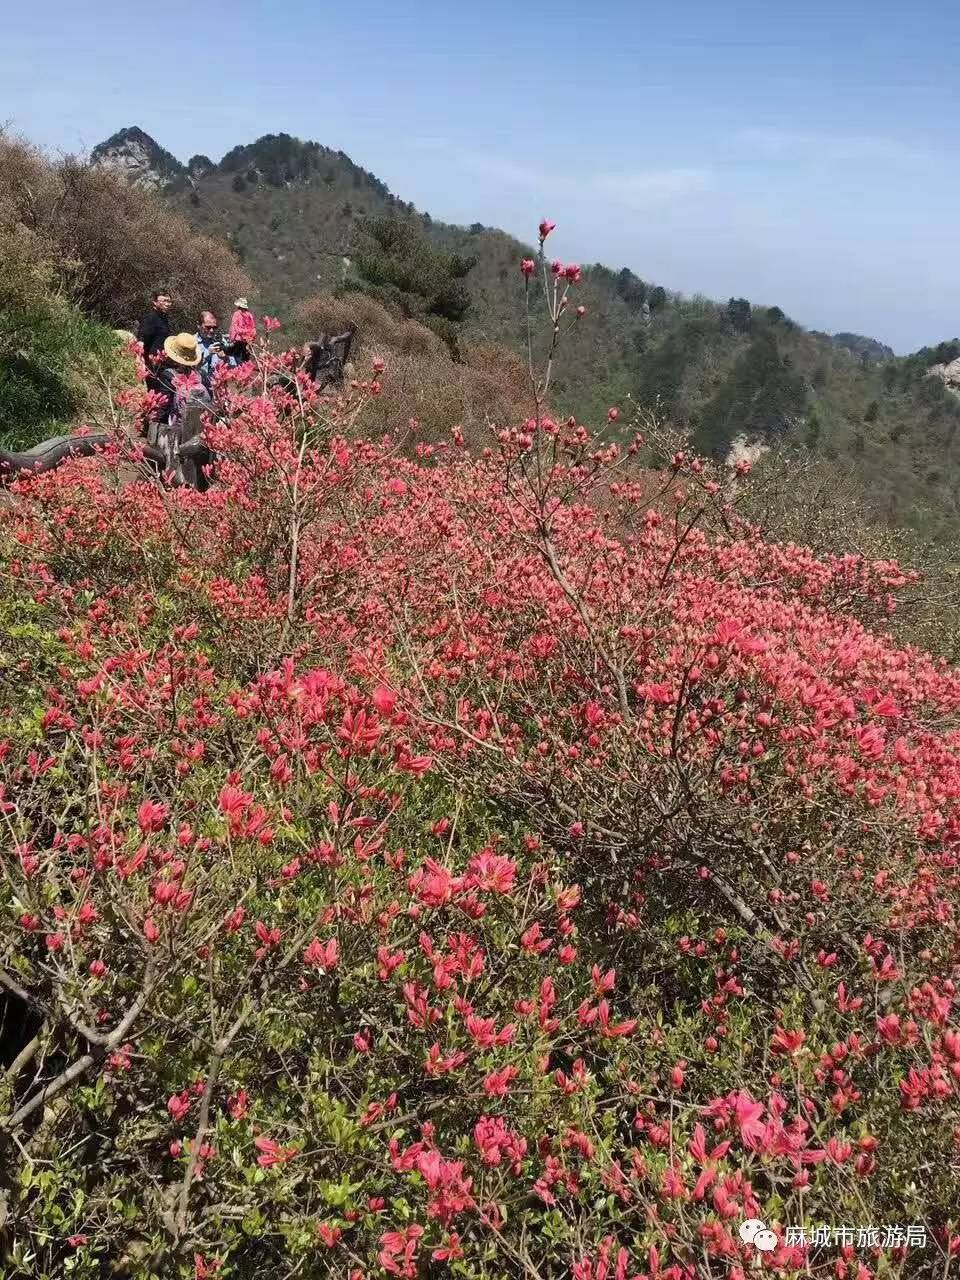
{"x":636,"y":189}
{"x":503,"y":169}
{"x":649,"y":187}
{"x":836,"y":147}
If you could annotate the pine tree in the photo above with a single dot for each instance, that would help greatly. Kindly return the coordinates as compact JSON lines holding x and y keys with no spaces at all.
{"x":393,"y":263}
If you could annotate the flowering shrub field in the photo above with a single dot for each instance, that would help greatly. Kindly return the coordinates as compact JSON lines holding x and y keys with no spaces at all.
{"x":472,"y":864}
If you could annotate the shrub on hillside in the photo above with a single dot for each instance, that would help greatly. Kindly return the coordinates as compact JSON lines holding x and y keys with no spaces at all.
{"x":376,"y":331}
{"x":488,"y":384}
{"x":794,"y":497}
{"x":407,"y":876}
{"x":113,"y":244}
{"x":51,"y":356}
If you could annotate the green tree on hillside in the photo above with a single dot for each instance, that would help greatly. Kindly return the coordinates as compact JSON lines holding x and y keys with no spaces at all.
{"x":739,"y":314}
{"x":278,"y":157}
{"x":760,"y":398}
{"x":662,"y":369}
{"x":631,"y":289}
{"x":903,"y":373}
{"x":394,"y":264}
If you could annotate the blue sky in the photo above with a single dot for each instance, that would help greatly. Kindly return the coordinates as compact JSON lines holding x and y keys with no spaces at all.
{"x":798,"y":154}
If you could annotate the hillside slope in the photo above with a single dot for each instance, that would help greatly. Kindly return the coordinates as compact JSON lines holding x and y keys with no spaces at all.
{"x":291,"y":209}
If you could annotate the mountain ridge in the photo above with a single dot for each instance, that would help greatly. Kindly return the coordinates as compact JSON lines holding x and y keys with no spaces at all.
{"x":721,"y":371}
{"x":281,"y":159}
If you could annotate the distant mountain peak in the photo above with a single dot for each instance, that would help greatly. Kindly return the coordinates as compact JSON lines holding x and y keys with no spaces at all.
{"x":868,"y":349}
{"x":275,"y":159}
{"x":200,"y":166}
{"x":139,"y":159}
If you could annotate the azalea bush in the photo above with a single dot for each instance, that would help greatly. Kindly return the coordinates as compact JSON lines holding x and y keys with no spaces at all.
{"x":425,"y":861}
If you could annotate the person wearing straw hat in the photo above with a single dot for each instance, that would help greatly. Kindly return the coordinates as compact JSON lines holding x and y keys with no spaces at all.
{"x":181,"y":353}
{"x":182,"y":349}
{"x":243,"y":330}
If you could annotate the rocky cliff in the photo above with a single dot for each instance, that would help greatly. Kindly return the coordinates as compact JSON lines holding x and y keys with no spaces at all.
{"x":139,"y":160}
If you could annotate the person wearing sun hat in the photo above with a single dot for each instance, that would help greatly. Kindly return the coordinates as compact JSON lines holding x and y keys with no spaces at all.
{"x":181,"y":353}
{"x":243,"y":330}
{"x":182,"y":349}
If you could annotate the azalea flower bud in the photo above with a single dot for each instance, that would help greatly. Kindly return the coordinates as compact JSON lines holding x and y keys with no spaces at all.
{"x":152,"y":816}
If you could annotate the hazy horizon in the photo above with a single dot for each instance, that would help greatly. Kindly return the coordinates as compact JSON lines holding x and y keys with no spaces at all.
{"x":801,"y":158}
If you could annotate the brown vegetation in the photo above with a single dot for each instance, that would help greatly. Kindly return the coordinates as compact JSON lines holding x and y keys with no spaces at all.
{"x":113,"y":244}
{"x":488,"y":386}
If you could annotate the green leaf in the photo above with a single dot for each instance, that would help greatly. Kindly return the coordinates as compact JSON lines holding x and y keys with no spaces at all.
{"x":339,"y":1193}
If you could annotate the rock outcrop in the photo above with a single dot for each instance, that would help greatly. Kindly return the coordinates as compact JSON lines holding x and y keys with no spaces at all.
{"x":744,"y":450}
{"x":139,"y":160}
{"x":950,"y":373}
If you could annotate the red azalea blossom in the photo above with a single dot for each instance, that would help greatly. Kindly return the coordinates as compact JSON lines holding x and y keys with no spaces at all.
{"x":152,"y":816}
{"x":330,"y":1235}
{"x":324,"y":955}
{"x":543,"y":842}
{"x":271,"y":1153}
{"x":398,"y":1251}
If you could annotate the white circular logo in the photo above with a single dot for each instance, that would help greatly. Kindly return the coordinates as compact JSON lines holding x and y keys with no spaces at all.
{"x":765,"y":1241}
{"x":755,"y":1232}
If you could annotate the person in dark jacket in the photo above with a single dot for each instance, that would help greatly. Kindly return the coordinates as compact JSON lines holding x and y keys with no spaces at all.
{"x":155,"y":326}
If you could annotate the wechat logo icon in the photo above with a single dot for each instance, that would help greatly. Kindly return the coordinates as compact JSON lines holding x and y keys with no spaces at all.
{"x":757,"y":1233}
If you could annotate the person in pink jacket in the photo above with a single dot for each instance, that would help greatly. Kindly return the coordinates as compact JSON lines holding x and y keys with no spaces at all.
{"x":243,"y":330}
